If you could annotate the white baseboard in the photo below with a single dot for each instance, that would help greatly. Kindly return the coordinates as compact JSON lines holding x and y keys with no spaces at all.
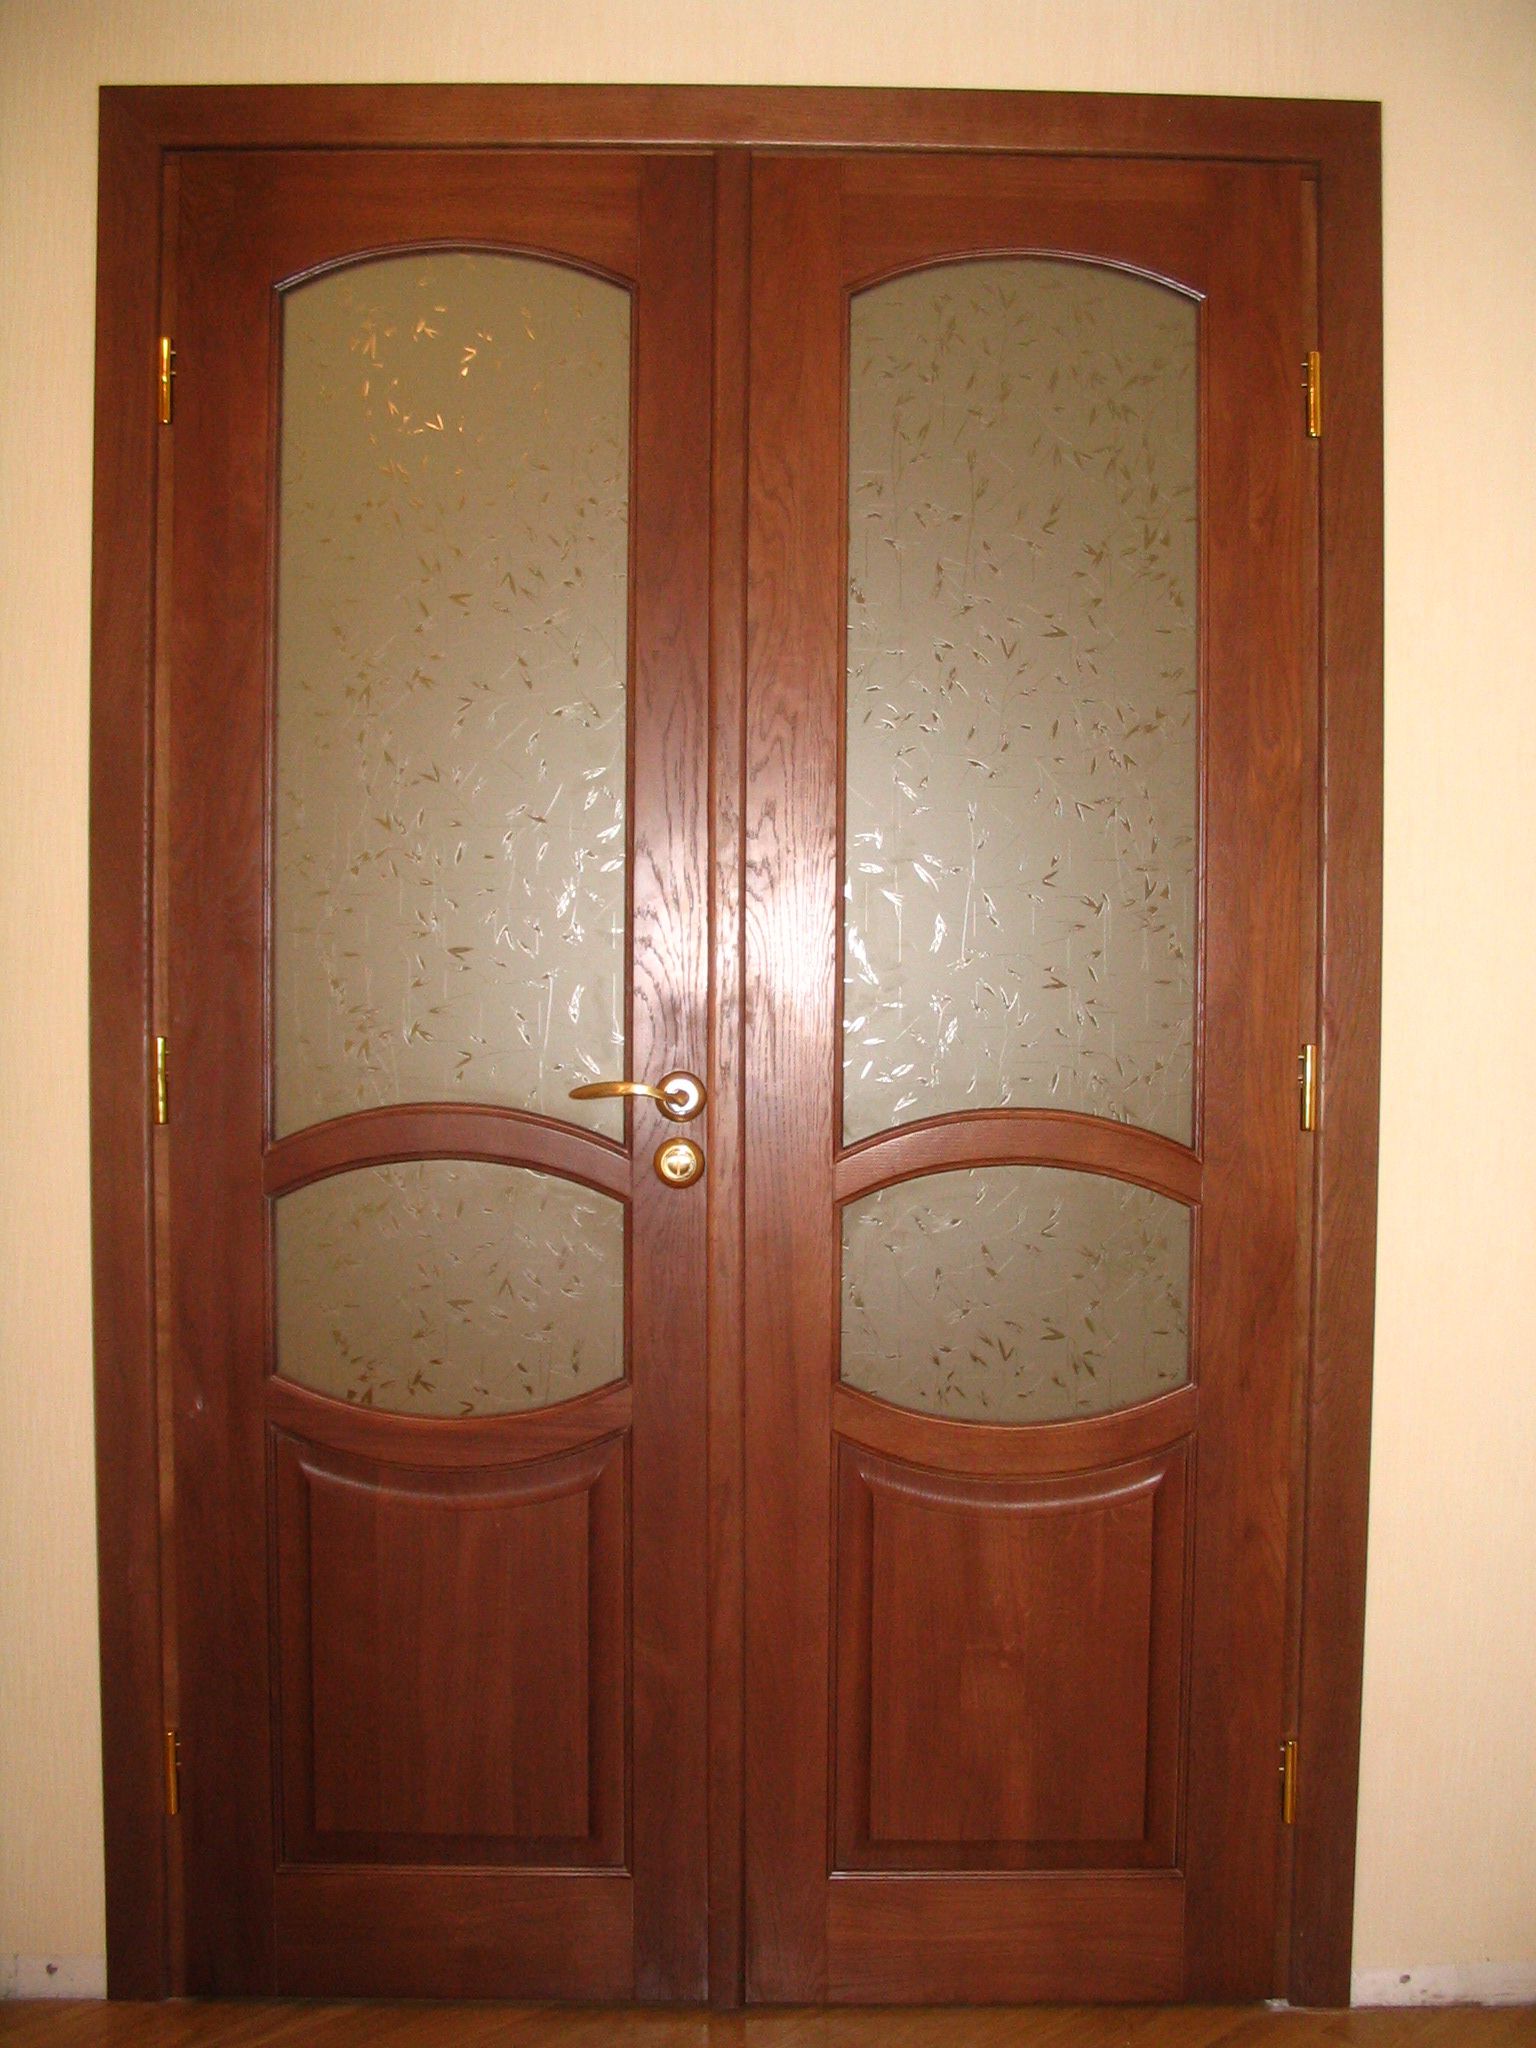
{"x":53,"y":1976}
{"x":1447,"y":1984}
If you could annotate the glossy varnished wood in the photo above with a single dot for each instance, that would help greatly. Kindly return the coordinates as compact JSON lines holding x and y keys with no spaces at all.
{"x":1214,"y":1691}
{"x":1033,"y":1137}
{"x":1009,"y":1666}
{"x":445,"y":1131}
{"x":446,"y":1442}
{"x":211,"y":2025}
{"x":1002,"y":1449}
{"x":1348,"y":976}
{"x":56,"y":2024}
{"x":122,"y":793}
{"x":726,"y":1276}
{"x":140,"y":132}
{"x":451,"y":1654}
{"x":432,"y":1881}
{"x":791,"y":946}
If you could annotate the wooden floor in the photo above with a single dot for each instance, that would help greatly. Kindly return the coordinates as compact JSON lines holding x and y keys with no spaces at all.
{"x":74,"y":2024}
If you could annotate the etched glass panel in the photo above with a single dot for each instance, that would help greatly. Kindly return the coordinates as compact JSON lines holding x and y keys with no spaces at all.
{"x":1015,"y":1294}
{"x":1021,"y":769}
{"x":449,"y":1287}
{"x":449,"y":887}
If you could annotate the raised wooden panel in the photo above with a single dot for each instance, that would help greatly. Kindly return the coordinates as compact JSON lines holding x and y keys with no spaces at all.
{"x":498,"y":1934}
{"x":1008,"y":1666}
{"x":964,"y":1941}
{"x":452,"y":1659}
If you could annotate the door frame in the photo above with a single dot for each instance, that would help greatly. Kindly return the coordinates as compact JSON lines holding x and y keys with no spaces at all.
{"x":1337,"y":144}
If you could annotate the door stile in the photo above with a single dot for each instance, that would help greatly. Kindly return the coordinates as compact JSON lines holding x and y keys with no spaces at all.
{"x":732,"y":249}
{"x":160,"y":1010}
{"x":669,"y":949}
{"x":791,"y":967}
{"x":215,"y":1306}
{"x":1256,"y":484}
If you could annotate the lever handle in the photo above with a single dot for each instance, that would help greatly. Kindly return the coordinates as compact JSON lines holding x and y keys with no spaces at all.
{"x":678,"y":1096}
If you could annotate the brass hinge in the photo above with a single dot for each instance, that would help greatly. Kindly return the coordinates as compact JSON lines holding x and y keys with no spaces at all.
{"x":1306,"y":1074}
{"x":167,"y":377}
{"x":1314,"y":385}
{"x":172,"y":1773}
{"x":162,"y":1089}
{"x":1288,"y":1753}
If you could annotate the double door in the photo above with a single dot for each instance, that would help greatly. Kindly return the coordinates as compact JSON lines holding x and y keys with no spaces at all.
{"x":731,"y":955}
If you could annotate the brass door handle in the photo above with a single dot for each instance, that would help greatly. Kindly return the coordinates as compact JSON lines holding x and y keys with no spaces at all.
{"x":678,"y":1096}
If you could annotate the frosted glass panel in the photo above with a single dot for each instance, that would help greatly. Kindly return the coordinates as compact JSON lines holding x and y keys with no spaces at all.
{"x":452,"y":625}
{"x":1015,"y":1294}
{"x":449,"y":1287}
{"x":1021,"y":802}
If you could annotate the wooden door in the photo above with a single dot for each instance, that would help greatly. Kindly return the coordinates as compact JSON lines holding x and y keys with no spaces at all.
{"x":436,"y":1334}
{"x":1014,"y":1641}
{"x":1017,"y":1537}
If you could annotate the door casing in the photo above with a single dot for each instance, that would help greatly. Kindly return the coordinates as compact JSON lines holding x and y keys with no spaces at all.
{"x":143,"y":130}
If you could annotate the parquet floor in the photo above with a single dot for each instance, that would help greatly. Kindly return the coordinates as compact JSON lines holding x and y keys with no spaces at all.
{"x":222,"y":2024}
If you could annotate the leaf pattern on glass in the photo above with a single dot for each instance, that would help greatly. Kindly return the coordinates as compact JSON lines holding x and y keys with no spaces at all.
{"x":449,"y":1287}
{"x":1015,"y":1294}
{"x":1021,"y":838}
{"x":449,"y":887}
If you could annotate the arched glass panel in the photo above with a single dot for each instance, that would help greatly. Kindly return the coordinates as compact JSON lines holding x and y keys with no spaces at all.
{"x":449,"y":1287}
{"x":449,"y":839}
{"x":1022,"y":837}
{"x":1015,"y":1294}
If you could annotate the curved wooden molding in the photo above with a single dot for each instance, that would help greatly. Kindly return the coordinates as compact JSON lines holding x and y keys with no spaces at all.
{"x":1338,"y":143}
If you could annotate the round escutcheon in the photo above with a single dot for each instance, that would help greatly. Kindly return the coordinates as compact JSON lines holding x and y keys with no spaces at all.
{"x":679,"y":1162}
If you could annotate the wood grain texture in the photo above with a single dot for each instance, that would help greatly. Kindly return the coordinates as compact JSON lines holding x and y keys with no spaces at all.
{"x":1003,"y":1449}
{"x":1232,"y":236}
{"x":1029,"y":1137}
{"x":444,"y":1442}
{"x":1341,"y":141}
{"x":451,"y":1650}
{"x":444,"y":1131}
{"x":496,"y":1934}
{"x":208,"y":2024}
{"x":633,"y":1586}
{"x":794,"y":552}
{"x":1256,"y":491}
{"x":726,"y":1279}
{"x":1349,"y":978}
{"x":669,"y":1028}
{"x":1009,"y":1666}
{"x":991,"y":1939}
{"x":127,"y":1394}
{"x":214,"y":1288}
{"x":488,"y":116}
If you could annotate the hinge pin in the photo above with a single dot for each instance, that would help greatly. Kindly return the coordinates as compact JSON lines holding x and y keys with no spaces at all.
{"x":172,"y":1773}
{"x":1288,"y":1756}
{"x":162,"y":1085}
{"x":1306,"y":1070}
{"x":1314,"y":387}
{"x":167,"y":374}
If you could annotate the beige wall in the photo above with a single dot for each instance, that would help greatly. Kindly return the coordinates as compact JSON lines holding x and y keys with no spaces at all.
{"x":1448,"y":1810}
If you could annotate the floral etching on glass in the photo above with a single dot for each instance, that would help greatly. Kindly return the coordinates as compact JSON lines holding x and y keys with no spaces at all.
{"x":1021,"y":841}
{"x":450,"y":1287}
{"x":1015,"y":1294}
{"x":449,"y":919}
